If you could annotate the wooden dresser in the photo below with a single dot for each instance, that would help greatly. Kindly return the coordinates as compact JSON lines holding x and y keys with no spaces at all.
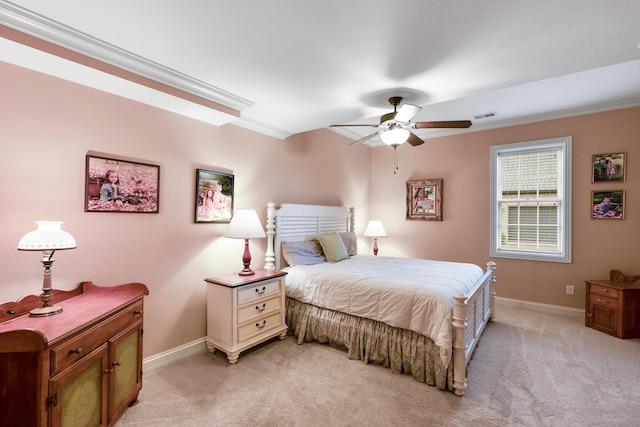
{"x":613,"y":308}
{"x":243,"y":311}
{"x":80,"y":367}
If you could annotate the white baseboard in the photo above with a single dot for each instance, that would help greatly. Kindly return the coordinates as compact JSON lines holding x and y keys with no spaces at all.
{"x":549,"y":308}
{"x":159,"y":360}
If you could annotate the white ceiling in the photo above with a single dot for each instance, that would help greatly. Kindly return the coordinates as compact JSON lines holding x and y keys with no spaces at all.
{"x":292,"y":66}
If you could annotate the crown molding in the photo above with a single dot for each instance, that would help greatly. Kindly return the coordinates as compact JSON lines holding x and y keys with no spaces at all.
{"x":35,"y":25}
{"x":262,"y":128}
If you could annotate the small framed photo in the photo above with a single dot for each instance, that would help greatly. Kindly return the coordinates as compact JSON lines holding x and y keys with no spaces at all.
{"x":214,"y":196}
{"x":424,"y":200}
{"x":607,"y":204}
{"x":115,"y":185}
{"x":609,"y":167}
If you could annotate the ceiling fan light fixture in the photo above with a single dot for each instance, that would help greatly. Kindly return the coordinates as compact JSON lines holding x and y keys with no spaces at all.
{"x":395,"y":136}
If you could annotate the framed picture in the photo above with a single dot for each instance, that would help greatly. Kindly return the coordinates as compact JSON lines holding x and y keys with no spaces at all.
{"x":115,"y":185}
{"x":609,"y":167}
{"x":214,"y":196}
{"x":424,"y":200}
{"x":607,"y":204}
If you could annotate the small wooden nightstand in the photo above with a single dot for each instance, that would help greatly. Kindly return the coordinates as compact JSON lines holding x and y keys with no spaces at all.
{"x":243,"y":311}
{"x":613,"y":308}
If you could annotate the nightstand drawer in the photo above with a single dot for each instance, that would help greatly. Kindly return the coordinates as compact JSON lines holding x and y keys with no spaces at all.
{"x":258,"y":291}
{"x":258,"y":309}
{"x":596,"y":289}
{"x":258,"y":327}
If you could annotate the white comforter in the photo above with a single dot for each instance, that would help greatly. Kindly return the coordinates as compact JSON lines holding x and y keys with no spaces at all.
{"x":412,"y":294}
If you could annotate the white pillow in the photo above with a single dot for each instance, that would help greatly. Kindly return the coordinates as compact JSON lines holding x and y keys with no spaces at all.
{"x":304,"y":253}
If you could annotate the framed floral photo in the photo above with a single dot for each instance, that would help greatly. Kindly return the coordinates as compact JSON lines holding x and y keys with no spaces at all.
{"x":214,"y":197}
{"x":115,"y":185}
{"x":424,"y":200}
{"x":609,"y":167}
{"x":607,"y":204}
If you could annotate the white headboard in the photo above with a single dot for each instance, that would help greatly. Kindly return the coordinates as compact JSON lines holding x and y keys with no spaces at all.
{"x":294,"y":223}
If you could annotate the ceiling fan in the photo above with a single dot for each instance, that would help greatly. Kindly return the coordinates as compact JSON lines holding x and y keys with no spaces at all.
{"x":395,"y":126}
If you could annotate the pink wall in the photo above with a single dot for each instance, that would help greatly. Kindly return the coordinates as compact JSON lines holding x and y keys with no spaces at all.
{"x":49,"y":125}
{"x":462,"y":161}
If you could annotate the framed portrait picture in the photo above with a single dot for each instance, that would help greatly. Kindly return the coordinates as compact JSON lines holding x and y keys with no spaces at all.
{"x":115,"y":185}
{"x":214,"y":196}
{"x":607,"y":204}
{"x":424,"y":200}
{"x":609,"y":167}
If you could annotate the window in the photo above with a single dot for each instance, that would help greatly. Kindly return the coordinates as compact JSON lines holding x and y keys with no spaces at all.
{"x":531,"y":200}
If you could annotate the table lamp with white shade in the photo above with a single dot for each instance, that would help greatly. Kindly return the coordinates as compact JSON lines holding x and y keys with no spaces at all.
{"x":48,"y":238}
{"x":375,"y":229}
{"x":246,"y":225}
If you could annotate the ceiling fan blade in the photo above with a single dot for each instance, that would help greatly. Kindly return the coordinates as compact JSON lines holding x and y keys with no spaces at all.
{"x":414,"y":140}
{"x":355,"y":124}
{"x":368,"y":137}
{"x":406,"y":113}
{"x":442,"y":124}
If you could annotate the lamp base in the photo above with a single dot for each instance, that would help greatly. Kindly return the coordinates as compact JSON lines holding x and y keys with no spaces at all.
{"x":45,"y":311}
{"x":246,"y":272}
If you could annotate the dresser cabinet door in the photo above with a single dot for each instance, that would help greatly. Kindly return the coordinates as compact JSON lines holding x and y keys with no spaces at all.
{"x":603,"y":314}
{"x":125,"y":370}
{"x":76,"y":394}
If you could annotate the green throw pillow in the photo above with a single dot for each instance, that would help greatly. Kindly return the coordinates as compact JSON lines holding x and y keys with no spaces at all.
{"x":333,"y":247}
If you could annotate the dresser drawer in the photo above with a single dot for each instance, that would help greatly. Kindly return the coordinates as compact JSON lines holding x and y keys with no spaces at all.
{"x":70,"y":351}
{"x":258,"y":309}
{"x":606,"y":301}
{"x":596,"y":289}
{"x":258,"y":291}
{"x":258,"y":326}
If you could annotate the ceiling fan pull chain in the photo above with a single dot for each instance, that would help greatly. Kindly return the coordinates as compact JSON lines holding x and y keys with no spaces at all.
{"x":395,"y":152}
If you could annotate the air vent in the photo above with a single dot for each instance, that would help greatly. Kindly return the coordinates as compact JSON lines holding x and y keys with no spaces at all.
{"x":485,"y":115}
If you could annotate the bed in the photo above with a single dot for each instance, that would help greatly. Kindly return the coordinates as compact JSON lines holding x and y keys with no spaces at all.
{"x":418,"y":317}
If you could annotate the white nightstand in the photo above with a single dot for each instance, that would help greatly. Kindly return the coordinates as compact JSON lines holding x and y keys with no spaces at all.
{"x":243,"y":311}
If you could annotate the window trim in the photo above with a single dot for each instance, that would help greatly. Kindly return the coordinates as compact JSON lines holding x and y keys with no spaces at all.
{"x":563,"y":145}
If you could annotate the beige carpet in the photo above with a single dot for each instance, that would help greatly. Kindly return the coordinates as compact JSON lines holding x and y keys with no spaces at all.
{"x":531,"y":369}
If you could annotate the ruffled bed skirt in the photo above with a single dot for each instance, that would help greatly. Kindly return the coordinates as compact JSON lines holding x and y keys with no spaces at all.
{"x":401,"y":350}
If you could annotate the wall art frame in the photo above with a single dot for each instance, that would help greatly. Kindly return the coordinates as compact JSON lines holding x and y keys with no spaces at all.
{"x":118,"y":185}
{"x":424,"y":200}
{"x":610,"y":167}
{"x":214,"y":197}
{"x":608,"y":204}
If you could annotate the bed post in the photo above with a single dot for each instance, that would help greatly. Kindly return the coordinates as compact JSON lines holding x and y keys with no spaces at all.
{"x":459,"y":346}
{"x":491,"y":266}
{"x":269,"y":255}
{"x":352,"y":219}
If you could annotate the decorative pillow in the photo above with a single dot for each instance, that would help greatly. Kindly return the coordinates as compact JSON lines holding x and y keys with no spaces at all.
{"x":304,"y":253}
{"x":350,"y":242}
{"x":332,"y":246}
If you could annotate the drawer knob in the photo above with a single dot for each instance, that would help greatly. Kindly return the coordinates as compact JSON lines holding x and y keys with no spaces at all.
{"x":137,"y":312}
{"x":603,"y":290}
{"x":259,"y":326}
{"x":601,"y":300}
{"x":116,"y":364}
{"x":75,"y":350}
{"x":258,"y":308}
{"x":589,"y":315}
{"x":261,"y":291}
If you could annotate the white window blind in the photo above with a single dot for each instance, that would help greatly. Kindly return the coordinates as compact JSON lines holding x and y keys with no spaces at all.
{"x":530,"y":200}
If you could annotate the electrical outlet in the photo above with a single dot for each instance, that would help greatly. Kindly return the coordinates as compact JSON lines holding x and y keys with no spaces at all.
{"x":570,"y":290}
